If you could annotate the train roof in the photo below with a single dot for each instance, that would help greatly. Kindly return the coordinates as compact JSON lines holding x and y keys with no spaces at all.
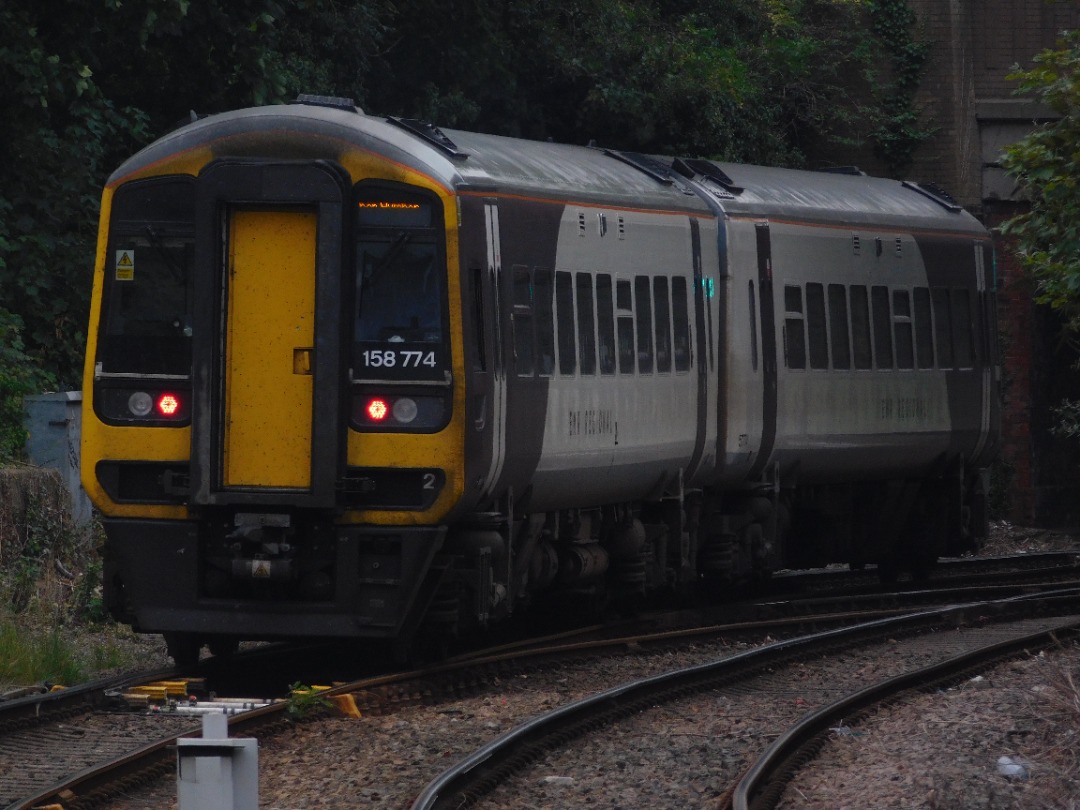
{"x":469,"y":162}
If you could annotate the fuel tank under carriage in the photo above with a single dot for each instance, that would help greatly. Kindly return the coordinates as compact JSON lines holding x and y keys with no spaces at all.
{"x":358,"y":377}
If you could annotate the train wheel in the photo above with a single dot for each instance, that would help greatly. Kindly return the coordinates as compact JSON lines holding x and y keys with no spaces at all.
{"x":183,"y":648}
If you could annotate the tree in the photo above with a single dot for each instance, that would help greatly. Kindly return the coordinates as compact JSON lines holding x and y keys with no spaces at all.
{"x":1046,"y":165}
{"x":750,"y":80}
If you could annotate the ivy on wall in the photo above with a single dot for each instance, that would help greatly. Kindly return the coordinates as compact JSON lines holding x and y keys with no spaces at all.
{"x":895,"y":60}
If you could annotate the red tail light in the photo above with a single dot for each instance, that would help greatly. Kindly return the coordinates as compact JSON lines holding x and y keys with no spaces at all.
{"x":168,"y":404}
{"x":377,"y":410}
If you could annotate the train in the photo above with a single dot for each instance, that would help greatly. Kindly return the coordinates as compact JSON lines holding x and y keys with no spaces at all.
{"x":359,"y":377}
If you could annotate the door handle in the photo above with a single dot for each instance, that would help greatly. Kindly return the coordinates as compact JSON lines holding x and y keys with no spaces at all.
{"x":301,"y":360}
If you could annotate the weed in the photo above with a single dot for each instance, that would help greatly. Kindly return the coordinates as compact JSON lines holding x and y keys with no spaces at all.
{"x":305,"y":701}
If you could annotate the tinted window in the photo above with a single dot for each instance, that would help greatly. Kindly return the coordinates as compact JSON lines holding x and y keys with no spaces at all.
{"x":794,"y":331}
{"x":643,"y":310}
{"x":605,"y":324}
{"x":942,"y":326}
{"x":545,"y":336}
{"x":663,"y":324}
{"x":815,"y":326}
{"x":625,"y":303}
{"x":680,"y":323}
{"x":860,"y":328}
{"x":586,"y":325}
{"x":564,"y":311}
{"x":902,"y":329}
{"x":883,"y":349}
{"x":963,"y":341}
{"x":838,"y":326}
{"x":522,"y":319}
{"x":924,"y":329}
{"x":146,"y":323}
{"x":400,"y":283}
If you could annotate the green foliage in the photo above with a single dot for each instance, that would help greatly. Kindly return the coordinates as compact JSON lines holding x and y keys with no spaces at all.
{"x":304,"y":701}
{"x":753,"y":80}
{"x":27,"y":658}
{"x":19,"y":377}
{"x":895,"y":62}
{"x":1046,"y":165}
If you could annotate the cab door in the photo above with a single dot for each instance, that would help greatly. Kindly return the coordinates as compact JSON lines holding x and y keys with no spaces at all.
{"x":269,"y":345}
{"x":267,"y":416}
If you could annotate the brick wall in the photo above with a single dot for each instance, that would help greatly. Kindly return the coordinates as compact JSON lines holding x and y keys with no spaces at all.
{"x":1014,"y":477}
{"x":975,"y":44}
{"x":966,"y":96}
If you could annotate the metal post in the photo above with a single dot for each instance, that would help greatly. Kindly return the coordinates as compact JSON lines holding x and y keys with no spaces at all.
{"x":217,"y":773}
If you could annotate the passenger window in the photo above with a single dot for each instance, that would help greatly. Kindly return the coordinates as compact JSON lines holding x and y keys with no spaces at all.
{"x":794,"y":329}
{"x":902,"y":329}
{"x":860,"y":328}
{"x":663,"y":324}
{"x":942,"y":326}
{"x":924,"y":329}
{"x":624,"y":302}
{"x":838,"y":327}
{"x":883,"y":348}
{"x":545,"y":337}
{"x":605,"y":324}
{"x":815,"y":326}
{"x":586,"y":324}
{"x":643,"y":309}
{"x":523,"y":321}
{"x":963,"y":341}
{"x":681,"y":323}
{"x":564,"y":311}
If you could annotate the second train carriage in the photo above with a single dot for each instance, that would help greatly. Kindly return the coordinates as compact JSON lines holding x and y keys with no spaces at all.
{"x":349,"y":375}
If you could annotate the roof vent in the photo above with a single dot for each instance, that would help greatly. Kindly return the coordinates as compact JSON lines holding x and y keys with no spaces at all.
{"x":691,"y":167}
{"x":334,"y":102}
{"x":855,"y":171}
{"x":430,"y":133}
{"x":935,"y":193}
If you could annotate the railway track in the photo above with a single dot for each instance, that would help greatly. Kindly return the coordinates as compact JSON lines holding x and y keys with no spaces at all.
{"x":567,"y":740}
{"x":93,"y":784}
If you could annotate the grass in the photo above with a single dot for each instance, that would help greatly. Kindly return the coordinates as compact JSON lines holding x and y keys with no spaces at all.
{"x":31,"y":658}
{"x":33,"y":653}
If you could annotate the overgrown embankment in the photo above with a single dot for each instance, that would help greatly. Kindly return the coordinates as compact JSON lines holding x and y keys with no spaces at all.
{"x":50,"y":575}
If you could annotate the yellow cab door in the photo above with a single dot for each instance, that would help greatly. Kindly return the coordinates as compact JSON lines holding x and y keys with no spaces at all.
{"x":267,"y":421}
{"x":270,"y":338}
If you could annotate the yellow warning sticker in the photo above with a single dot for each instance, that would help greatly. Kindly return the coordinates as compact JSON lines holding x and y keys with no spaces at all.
{"x":260,"y":569}
{"x":125,"y":265}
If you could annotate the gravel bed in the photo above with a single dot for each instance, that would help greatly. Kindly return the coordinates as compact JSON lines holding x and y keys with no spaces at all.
{"x":939,"y":748}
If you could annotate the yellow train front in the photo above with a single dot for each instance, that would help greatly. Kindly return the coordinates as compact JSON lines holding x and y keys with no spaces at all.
{"x":273,"y":427}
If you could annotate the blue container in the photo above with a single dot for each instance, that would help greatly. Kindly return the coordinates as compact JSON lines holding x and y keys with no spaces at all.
{"x":54,"y":425}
